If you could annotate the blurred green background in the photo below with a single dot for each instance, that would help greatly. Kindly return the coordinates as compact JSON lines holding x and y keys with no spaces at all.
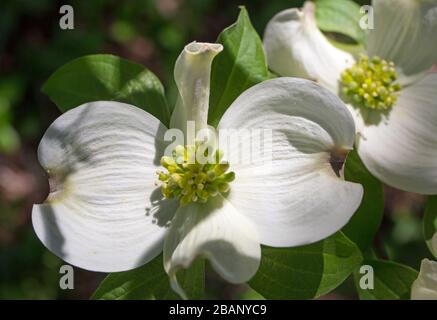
{"x":150,"y":32}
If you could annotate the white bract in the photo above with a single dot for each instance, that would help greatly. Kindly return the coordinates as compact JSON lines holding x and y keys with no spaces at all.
{"x":105,"y":213}
{"x":389,"y":89}
{"x":425,"y":286}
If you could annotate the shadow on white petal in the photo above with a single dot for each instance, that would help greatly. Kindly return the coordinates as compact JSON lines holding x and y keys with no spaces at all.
{"x":162,"y":210}
{"x":218,"y":232}
{"x":104,"y":212}
{"x":55,"y":241}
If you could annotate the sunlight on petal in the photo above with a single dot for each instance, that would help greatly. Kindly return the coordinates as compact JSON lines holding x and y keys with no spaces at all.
{"x":293,"y":189}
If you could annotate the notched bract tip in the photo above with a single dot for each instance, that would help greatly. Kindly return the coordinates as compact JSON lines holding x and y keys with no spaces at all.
{"x":288,"y":15}
{"x":56,"y":182}
{"x":203,"y":47}
{"x":307,"y":11}
{"x":337,"y":160}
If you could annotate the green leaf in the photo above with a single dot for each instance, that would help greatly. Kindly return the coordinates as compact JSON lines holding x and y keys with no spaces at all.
{"x":151,"y":282}
{"x":11,"y":91}
{"x":430,"y":223}
{"x":9,"y":139}
{"x":306,"y":272}
{"x":392,"y":281}
{"x":341,"y":17}
{"x":239,"y":66}
{"x":107,"y":77}
{"x":364,"y":224}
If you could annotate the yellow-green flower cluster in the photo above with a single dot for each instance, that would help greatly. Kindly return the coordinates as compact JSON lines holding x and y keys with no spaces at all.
{"x":190,"y":181}
{"x":371,"y":83}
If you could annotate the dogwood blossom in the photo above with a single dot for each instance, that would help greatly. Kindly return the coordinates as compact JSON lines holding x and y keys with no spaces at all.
{"x":425,"y":286}
{"x":389,"y":89}
{"x":106,"y":213}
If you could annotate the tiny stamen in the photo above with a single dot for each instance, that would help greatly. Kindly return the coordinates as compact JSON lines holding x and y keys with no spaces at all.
{"x":371,"y":83}
{"x":189,"y":181}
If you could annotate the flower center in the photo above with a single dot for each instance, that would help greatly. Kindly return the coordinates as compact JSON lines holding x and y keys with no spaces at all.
{"x":371,"y":83}
{"x":190,"y":181}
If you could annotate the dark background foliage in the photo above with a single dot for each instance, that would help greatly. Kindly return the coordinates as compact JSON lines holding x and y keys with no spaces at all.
{"x":150,"y":32}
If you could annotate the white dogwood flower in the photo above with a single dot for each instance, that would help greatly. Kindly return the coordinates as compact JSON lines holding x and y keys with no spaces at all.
{"x":425,"y":286}
{"x":104,"y":212}
{"x":389,"y":89}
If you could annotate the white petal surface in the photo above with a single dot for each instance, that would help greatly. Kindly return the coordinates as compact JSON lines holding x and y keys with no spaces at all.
{"x":192,"y":74}
{"x":216,"y":231}
{"x":104,"y":212}
{"x":425,"y":286}
{"x":295,"y":47}
{"x":359,"y":116}
{"x":405,"y":32}
{"x":401,"y":147}
{"x":294,"y":196}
